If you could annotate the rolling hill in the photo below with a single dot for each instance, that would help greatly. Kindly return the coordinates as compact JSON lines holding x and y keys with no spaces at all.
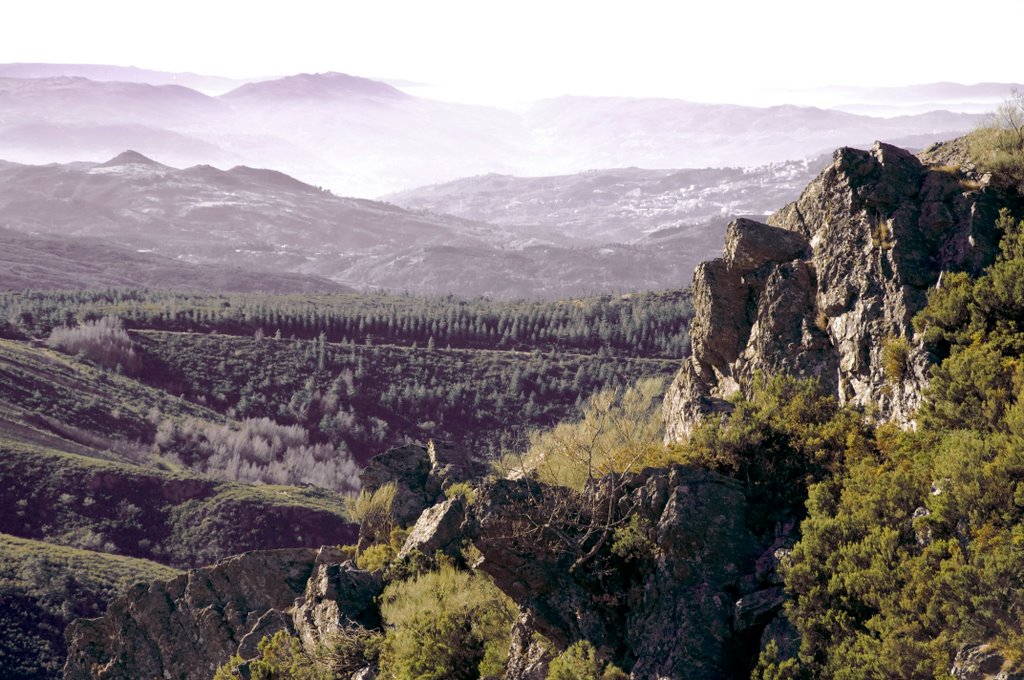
{"x":246,"y":220}
{"x":52,"y":262}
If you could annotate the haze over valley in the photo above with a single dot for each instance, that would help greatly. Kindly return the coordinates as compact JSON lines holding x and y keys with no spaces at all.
{"x":552,"y":197}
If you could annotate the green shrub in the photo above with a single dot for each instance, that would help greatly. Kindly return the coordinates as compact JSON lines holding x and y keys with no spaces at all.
{"x":351,"y":649}
{"x":895,"y":353}
{"x":372,"y":510}
{"x":619,"y":431}
{"x":380,"y":555}
{"x":631,"y":541}
{"x":463,"y":490}
{"x":580,"y":662}
{"x":998,"y":146}
{"x":786,"y":435}
{"x":446,"y":624}
{"x":281,"y":657}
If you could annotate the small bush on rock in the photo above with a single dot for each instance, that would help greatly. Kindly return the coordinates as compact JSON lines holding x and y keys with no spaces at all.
{"x":580,"y":662}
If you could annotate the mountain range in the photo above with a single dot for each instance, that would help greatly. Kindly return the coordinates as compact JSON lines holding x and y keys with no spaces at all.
{"x":629,"y":205}
{"x":501,"y":236}
{"x":364,"y":137}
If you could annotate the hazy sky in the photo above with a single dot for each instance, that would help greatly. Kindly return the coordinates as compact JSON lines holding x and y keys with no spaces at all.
{"x":502,"y":50}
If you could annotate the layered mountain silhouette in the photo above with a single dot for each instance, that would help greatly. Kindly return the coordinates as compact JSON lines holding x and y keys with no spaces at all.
{"x":364,"y":137}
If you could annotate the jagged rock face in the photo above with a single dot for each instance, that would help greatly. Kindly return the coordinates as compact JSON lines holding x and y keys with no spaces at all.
{"x":528,"y":658}
{"x":336,"y":596}
{"x":187,"y":627}
{"x":669,"y":613}
{"x":819,"y":290}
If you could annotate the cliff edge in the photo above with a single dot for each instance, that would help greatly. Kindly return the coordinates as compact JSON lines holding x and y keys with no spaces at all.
{"x":830,"y":284}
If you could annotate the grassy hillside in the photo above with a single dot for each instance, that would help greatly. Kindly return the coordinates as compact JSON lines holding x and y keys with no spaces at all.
{"x":43,"y":587}
{"x":52,"y":400}
{"x":176,"y":518}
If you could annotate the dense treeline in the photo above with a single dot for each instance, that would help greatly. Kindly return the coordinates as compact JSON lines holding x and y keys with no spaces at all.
{"x":639,"y":324}
{"x":364,"y":399}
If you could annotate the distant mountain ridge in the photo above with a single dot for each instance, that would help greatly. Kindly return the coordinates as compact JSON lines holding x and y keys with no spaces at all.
{"x":628,"y":205}
{"x":364,"y":137}
{"x":207,"y":84}
{"x":249,"y":220}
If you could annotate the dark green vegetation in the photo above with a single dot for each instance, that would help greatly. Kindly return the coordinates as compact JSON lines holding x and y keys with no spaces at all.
{"x":445,"y":624}
{"x":362,"y":373}
{"x":640,"y":325}
{"x":912,"y":546}
{"x":45,"y":586}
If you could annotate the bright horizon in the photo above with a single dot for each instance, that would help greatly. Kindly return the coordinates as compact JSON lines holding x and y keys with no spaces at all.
{"x":491,"y":53}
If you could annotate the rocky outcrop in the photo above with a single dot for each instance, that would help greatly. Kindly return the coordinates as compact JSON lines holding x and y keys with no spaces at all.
{"x":438,"y":528}
{"x":528,"y":657}
{"x":187,"y":627}
{"x":984,"y":662}
{"x":821,"y":288}
{"x":336,"y":596}
{"x":666,"y":608}
{"x":420,"y":474}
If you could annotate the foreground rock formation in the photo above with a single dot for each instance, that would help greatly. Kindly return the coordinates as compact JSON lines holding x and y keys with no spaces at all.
{"x":187,"y":627}
{"x":830,"y":280}
{"x":656,"y":569}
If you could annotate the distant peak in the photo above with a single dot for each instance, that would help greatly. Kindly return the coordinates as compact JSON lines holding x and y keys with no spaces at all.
{"x":314,"y":85}
{"x":130,"y":157}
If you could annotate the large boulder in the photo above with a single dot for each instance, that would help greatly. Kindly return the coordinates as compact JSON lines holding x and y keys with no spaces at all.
{"x":438,"y":528}
{"x":821,"y":288}
{"x":337,"y":596}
